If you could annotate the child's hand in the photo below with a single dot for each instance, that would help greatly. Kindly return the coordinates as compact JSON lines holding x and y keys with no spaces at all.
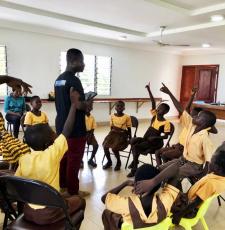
{"x":194,"y":90}
{"x":164,"y":89}
{"x":147,"y":86}
{"x":74,"y":97}
{"x":144,"y":186}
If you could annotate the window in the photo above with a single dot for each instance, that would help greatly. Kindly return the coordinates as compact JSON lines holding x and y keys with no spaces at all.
{"x":97,"y":73}
{"x":3,"y":69}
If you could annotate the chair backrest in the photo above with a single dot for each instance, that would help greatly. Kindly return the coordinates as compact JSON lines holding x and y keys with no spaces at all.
{"x":32,"y":191}
{"x":134,"y":122}
{"x":172,"y":129}
{"x":204,"y":207}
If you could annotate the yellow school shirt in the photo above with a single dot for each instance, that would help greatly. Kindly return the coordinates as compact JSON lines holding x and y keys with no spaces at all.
{"x":198,"y":147}
{"x":44,"y":165}
{"x":90,"y":123}
{"x":209,"y":185}
{"x":157,"y":124}
{"x":120,"y":205}
{"x":32,"y":119}
{"x":183,"y":134}
{"x":122,"y":122}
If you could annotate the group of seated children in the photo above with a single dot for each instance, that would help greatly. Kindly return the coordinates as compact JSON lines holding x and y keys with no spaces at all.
{"x":43,"y":161}
{"x":147,"y":207}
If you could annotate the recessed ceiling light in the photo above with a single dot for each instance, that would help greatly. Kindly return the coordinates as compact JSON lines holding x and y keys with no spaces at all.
{"x":206,"y":45}
{"x":217,"y":18}
{"x":122,"y":38}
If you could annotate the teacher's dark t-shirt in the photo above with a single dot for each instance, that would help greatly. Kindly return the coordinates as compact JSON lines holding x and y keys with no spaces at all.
{"x":62,"y":102}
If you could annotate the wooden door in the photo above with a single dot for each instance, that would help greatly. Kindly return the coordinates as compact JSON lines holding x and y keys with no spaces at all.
{"x":204,"y":77}
{"x":187,"y":83}
{"x":207,"y":84}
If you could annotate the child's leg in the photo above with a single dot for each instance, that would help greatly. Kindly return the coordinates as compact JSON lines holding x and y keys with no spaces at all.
{"x":109,"y":161}
{"x":172,"y":153}
{"x":118,"y":163}
{"x":91,"y":162}
{"x":94,"y":143}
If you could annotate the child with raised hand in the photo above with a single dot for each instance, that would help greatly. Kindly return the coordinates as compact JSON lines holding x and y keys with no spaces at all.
{"x":35,"y":116}
{"x":176,"y":150}
{"x":119,"y":135}
{"x":198,"y":147}
{"x":43,"y":164}
{"x":91,"y":140}
{"x":152,"y":140}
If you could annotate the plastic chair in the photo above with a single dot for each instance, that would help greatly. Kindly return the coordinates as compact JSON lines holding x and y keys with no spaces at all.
{"x":32,"y":191}
{"x":163,"y":225}
{"x":134,"y":122}
{"x":189,"y":223}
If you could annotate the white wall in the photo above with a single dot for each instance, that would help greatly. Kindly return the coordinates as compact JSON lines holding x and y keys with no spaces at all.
{"x":35,"y":58}
{"x":218,"y":59}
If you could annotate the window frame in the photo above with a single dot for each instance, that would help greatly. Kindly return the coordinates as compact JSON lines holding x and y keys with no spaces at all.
{"x":62,"y":55}
{"x":4,"y":86}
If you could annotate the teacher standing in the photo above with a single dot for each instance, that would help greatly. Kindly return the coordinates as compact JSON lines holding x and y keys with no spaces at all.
{"x":70,"y":164}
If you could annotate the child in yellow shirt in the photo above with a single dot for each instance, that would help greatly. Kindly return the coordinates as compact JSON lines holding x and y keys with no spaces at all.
{"x":118,"y":137}
{"x":198,"y":147}
{"x":91,"y":140}
{"x":153,"y":138}
{"x":35,"y":116}
{"x":43,"y":164}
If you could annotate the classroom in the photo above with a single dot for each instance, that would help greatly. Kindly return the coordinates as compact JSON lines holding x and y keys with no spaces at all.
{"x":112,"y":101}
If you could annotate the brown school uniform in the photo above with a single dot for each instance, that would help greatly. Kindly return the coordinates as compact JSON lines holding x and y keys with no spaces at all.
{"x":117,"y":139}
{"x":120,"y":205}
{"x":142,"y":145}
{"x":90,"y":125}
{"x":198,"y":149}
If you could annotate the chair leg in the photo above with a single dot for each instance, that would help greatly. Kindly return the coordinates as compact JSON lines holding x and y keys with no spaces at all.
{"x":103,"y":159}
{"x":204,"y":224}
{"x":218,"y":199}
{"x":128,"y":158}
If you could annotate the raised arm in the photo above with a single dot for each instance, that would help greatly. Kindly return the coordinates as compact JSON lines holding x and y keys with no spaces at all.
{"x":151,"y":96}
{"x":12,"y":81}
{"x":69,"y":124}
{"x":176,"y":103}
{"x":193,"y":93}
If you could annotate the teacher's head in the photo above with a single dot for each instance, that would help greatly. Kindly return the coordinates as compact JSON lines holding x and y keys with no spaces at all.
{"x":75,"y":60}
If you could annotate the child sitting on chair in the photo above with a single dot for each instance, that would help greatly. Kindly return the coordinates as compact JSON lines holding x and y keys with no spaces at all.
{"x":151,"y":207}
{"x":43,"y":164}
{"x":152,"y":140}
{"x":35,"y":116}
{"x":91,"y":140}
{"x":211,"y":184}
{"x":118,"y":137}
{"x":198,"y":147}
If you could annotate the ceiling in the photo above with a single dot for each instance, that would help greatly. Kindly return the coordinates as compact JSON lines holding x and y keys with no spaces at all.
{"x":188,"y":22}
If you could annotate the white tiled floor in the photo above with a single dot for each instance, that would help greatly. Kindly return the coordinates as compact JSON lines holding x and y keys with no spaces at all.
{"x":98,"y":181}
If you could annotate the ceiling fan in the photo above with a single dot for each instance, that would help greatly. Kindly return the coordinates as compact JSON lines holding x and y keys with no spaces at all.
{"x":161,"y":43}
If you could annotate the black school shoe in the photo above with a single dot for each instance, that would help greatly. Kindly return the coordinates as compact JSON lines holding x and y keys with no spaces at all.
{"x":131,"y":173}
{"x":131,"y":165}
{"x":107,"y":165}
{"x":118,"y":165}
{"x":92,"y":163}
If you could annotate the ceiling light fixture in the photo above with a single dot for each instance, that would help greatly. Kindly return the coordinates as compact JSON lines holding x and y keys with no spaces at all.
{"x":122,"y":38}
{"x":206,"y":45}
{"x":217,"y":18}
